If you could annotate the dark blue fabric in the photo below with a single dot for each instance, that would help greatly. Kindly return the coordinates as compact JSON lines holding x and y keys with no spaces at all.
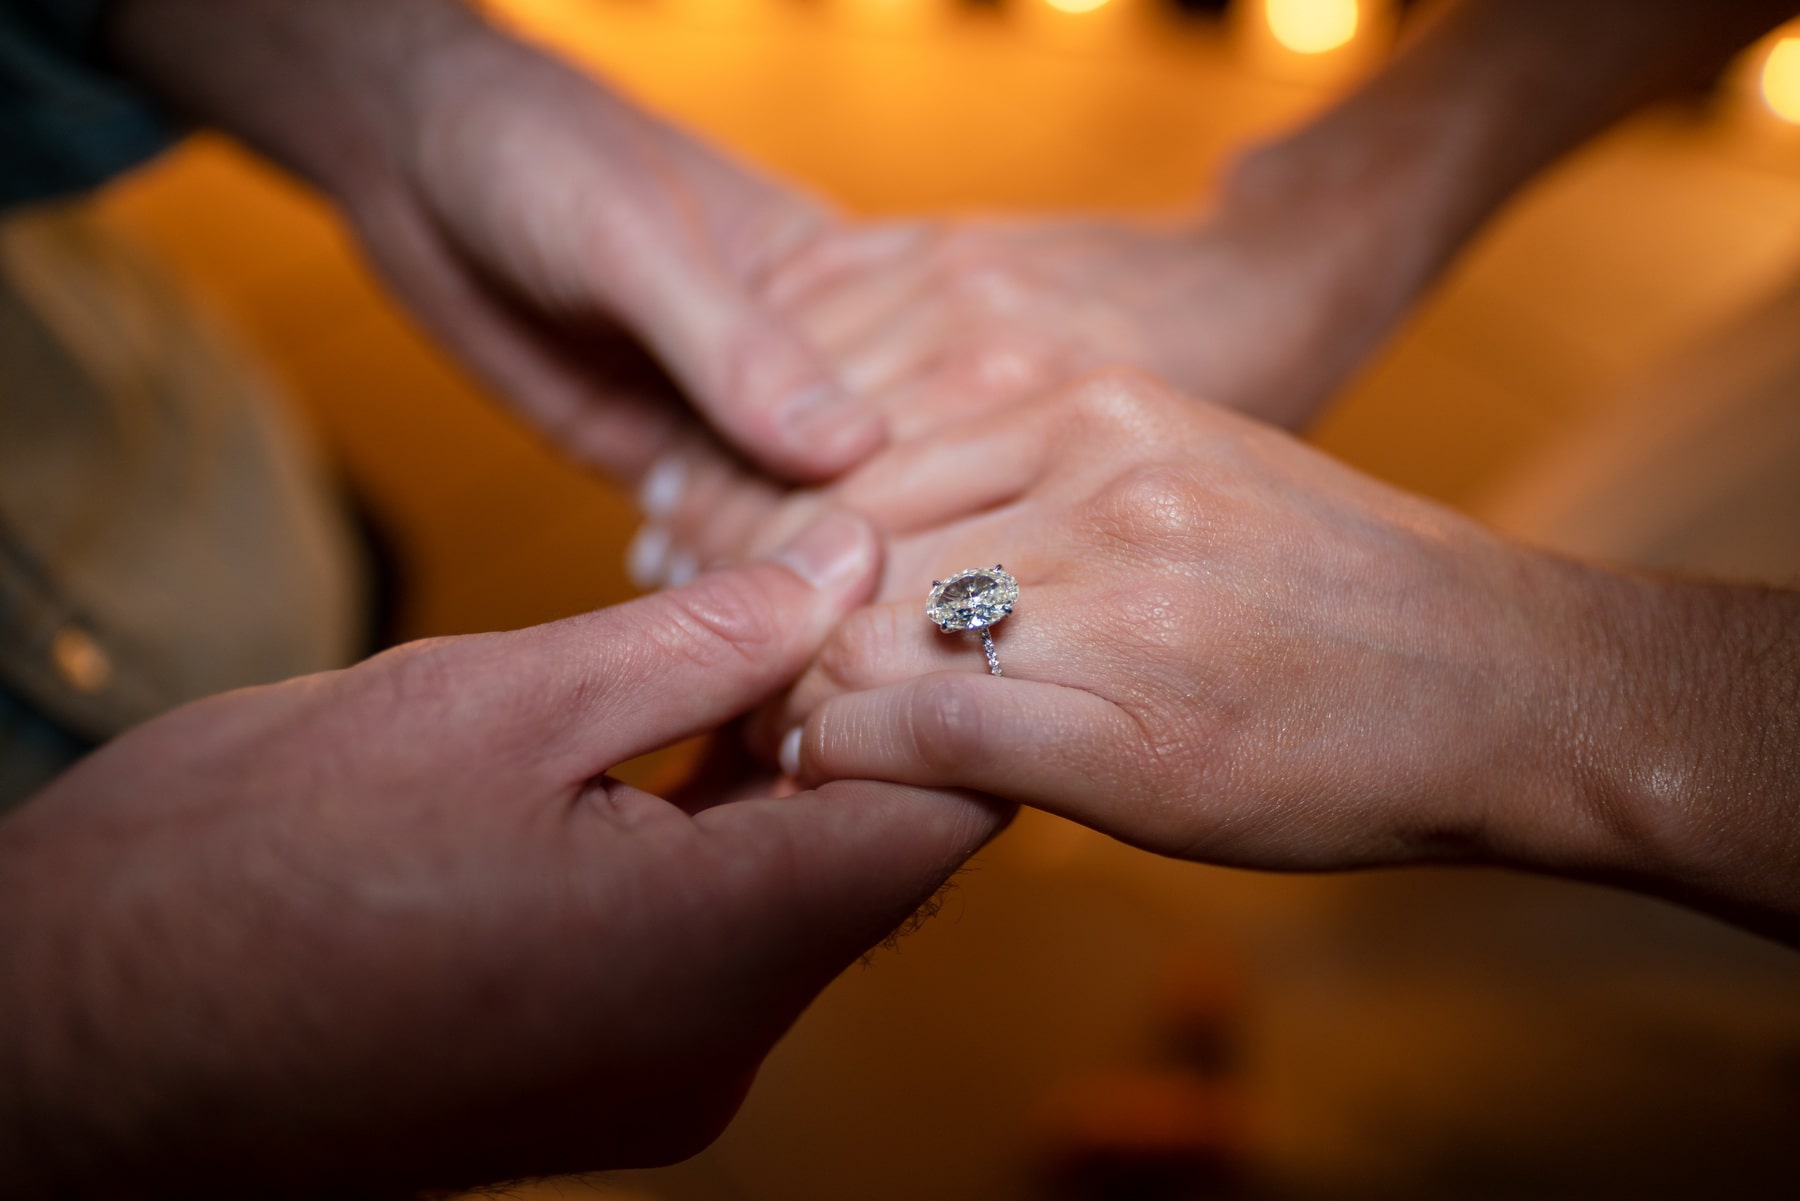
{"x":66,"y":123}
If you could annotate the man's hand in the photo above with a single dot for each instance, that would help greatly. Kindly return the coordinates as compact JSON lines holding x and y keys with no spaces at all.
{"x":393,"y":927}
{"x":534,"y":221}
{"x":1231,"y":648}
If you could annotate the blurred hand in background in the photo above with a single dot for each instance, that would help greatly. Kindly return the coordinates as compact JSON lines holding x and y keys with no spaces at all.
{"x":1261,"y":305}
{"x":1316,"y":246}
{"x":541,"y":227}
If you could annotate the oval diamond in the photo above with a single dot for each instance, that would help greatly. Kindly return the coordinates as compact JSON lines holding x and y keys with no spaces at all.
{"x":972,"y":600}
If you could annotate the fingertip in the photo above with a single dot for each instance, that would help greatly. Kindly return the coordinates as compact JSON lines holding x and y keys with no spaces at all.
{"x":836,"y":554}
{"x":792,"y":413}
{"x":828,"y":435}
{"x":647,"y":555}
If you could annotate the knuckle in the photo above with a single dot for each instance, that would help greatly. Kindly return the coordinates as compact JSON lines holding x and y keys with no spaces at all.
{"x":1156,"y":504}
{"x":989,"y":288}
{"x":946,"y":723}
{"x":1009,"y":367}
{"x":1125,"y":403}
{"x":725,"y":619}
{"x":418,"y":679}
{"x":862,"y":643}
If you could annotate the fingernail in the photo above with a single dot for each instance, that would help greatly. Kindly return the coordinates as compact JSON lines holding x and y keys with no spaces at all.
{"x":789,"y":755}
{"x":661,"y":490}
{"x":835,"y":434}
{"x":644,"y":560}
{"x":826,"y":430}
{"x":828,"y":552}
{"x":682,"y":569}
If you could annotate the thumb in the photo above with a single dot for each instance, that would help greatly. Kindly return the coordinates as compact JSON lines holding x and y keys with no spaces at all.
{"x":576,"y":697}
{"x":757,"y":381}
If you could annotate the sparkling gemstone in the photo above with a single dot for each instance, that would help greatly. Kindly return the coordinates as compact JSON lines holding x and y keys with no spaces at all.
{"x":970,"y":600}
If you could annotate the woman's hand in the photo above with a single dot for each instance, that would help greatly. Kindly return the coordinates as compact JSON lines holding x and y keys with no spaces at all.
{"x":393,"y":928}
{"x":1227,"y":646}
{"x":1231,"y":648}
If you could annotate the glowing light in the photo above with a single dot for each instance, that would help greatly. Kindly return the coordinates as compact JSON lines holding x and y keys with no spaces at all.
{"x":1781,"y":79}
{"x":1075,"y":6}
{"x":1312,"y":26}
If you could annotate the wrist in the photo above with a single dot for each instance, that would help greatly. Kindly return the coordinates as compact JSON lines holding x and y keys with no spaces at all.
{"x":1380,"y":194}
{"x":1377,"y":194}
{"x":322,"y":87}
{"x":1675,"y":747}
{"x":1329,"y":247}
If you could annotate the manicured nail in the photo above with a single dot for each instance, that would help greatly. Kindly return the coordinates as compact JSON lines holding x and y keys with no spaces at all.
{"x":789,"y":756}
{"x":682,"y":569}
{"x":662,"y":488}
{"x":644,"y":560}
{"x":829,"y":551}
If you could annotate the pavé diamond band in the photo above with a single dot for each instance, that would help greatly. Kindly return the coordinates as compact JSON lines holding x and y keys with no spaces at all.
{"x":974,"y":600}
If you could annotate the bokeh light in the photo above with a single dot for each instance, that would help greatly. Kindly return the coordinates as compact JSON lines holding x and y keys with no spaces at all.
{"x":1312,"y":26}
{"x":1781,"y":79}
{"x":1075,"y":6}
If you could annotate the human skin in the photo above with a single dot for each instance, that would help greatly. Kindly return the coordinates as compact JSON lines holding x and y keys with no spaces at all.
{"x":535,"y":222}
{"x":1266,"y":299}
{"x":932,"y":322}
{"x":1231,"y":648}
{"x":393,"y":928}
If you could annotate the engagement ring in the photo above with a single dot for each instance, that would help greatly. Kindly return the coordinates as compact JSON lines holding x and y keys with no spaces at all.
{"x":974,"y":600}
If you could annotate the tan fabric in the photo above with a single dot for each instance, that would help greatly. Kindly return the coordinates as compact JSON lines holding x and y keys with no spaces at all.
{"x":165,"y":531}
